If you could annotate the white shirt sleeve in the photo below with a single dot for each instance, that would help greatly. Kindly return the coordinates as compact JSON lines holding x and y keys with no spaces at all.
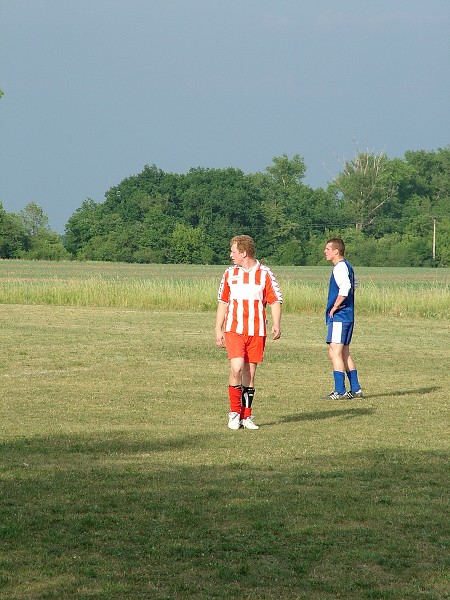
{"x":340,"y":273}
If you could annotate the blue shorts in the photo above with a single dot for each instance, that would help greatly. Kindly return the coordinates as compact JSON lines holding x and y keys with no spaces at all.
{"x":339,"y":333}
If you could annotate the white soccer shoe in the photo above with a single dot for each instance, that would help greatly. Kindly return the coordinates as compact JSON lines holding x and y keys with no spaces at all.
{"x":248,"y":423}
{"x":234,"y":420}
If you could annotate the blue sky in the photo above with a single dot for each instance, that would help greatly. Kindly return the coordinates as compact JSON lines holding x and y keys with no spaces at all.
{"x":97,"y":89}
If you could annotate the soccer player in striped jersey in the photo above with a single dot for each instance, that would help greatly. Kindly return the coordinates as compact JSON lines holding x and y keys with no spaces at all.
{"x":340,"y":317}
{"x":245,"y":290}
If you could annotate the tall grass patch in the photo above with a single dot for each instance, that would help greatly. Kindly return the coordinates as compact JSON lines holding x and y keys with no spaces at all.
{"x":389,"y":292}
{"x":407,"y":299}
{"x":97,"y":291}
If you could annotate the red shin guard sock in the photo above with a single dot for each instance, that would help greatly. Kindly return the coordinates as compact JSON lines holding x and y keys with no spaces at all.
{"x":245,"y":412}
{"x":234,"y":393}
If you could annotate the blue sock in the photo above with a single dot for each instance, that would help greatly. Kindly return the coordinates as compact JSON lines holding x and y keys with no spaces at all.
{"x":353,"y":379}
{"x":339,"y":382}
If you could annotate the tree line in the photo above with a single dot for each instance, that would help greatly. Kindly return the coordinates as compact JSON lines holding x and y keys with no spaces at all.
{"x":393,"y":212}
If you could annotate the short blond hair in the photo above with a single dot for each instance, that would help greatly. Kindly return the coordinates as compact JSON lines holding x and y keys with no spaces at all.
{"x":244,"y":243}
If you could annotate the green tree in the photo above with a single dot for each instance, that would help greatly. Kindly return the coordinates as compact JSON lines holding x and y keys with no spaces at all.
{"x":164,"y":217}
{"x":82,"y":226}
{"x":46,"y":247}
{"x":134,"y":224}
{"x":41,"y":242}
{"x":189,"y":245}
{"x":34,"y":220}
{"x":13,"y":236}
{"x":283,"y":200}
{"x":443,"y":242}
{"x":432,"y":180}
{"x":223,"y":202}
{"x":366,"y":186}
{"x":153,"y":235}
{"x":287,"y":172}
{"x":294,"y":211}
{"x":107,"y":242}
{"x":126,"y":199}
{"x":289,"y":253}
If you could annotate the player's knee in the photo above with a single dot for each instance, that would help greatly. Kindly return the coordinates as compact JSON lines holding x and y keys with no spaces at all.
{"x":236,"y":373}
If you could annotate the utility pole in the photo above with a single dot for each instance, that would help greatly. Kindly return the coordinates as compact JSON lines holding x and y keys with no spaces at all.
{"x":434,"y":242}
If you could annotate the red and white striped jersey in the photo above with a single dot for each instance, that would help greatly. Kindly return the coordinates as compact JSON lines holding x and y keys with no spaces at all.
{"x":247,"y":293}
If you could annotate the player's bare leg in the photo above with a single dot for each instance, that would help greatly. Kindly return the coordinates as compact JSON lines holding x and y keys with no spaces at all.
{"x":336,"y":354}
{"x":236,"y":371}
{"x":349,"y":363}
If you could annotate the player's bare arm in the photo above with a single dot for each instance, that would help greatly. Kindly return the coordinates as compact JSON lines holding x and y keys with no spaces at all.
{"x":337,"y":303}
{"x":276,"y":320}
{"x":220,"y":318}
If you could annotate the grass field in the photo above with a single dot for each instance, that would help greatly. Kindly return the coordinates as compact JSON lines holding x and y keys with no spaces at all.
{"x":120,"y":479}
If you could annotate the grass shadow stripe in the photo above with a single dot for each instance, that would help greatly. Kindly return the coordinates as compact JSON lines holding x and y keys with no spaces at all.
{"x":348,"y":413}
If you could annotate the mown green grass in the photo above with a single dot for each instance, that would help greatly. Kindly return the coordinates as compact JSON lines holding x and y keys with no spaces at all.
{"x":120,"y":479}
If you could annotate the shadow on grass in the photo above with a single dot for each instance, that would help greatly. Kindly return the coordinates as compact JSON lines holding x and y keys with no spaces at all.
{"x":418,"y":391}
{"x":347,"y":413}
{"x":105,"y":443}
{"x":363,"y":525}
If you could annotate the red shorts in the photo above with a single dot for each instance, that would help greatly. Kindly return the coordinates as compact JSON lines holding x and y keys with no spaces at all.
{"x":248,"y":347}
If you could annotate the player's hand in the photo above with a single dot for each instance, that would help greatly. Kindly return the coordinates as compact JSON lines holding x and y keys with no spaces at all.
{"x":276,"y":332}
{"x":219,"y":340}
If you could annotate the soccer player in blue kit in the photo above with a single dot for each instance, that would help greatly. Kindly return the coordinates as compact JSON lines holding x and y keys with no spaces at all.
{"x":340,"y":317}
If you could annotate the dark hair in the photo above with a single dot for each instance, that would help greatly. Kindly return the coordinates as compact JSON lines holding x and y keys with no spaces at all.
{"x":337,"y":244}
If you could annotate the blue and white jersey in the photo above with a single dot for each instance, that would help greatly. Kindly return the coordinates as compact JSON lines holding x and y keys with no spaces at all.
{"x":342,"y":283}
